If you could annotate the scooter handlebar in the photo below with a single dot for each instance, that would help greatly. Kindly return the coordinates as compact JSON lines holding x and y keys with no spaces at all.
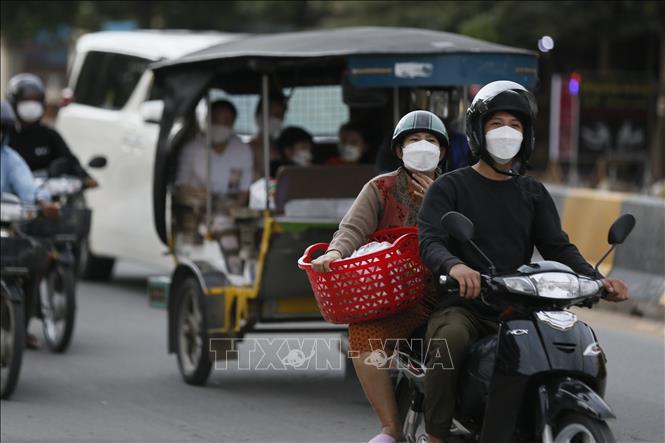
{"x":451,"y":285}
{"x":448,"y":283}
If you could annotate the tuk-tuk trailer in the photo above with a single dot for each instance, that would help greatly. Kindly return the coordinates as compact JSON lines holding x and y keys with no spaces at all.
{"x":383,"y":73}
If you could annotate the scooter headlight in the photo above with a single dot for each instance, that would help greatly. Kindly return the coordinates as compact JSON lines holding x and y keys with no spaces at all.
{"x":588,"y":286}
{"x":557,"y":285}
{"x":520,"y":285}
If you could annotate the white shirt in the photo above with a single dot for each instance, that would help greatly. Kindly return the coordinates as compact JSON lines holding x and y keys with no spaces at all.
{"x":230,"y":172}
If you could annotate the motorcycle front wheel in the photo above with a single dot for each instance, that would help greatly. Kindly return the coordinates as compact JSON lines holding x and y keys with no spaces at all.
{"x":58,"y":306}
{"x":12,"y":342}
{"x":576,"y":427}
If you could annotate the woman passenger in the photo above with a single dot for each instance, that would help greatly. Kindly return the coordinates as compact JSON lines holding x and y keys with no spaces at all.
{"x":390,"y":200}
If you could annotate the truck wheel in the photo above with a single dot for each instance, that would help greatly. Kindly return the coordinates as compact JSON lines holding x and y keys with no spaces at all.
{"x":191,"y":333}
{"x":576,"y":427}
{"x":58,"y":305}
{"x":93,"y":267}
{"x":12,"y":342}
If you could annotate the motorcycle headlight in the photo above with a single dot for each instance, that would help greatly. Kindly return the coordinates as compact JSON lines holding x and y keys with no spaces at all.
{"x":556,"y":285}
{"x":10,"y":212}
{"x":521,"y":285}
{"x":63,"y":185}
{"x":588,"y":286}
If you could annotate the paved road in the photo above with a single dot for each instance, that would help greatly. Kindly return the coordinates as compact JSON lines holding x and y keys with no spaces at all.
{"x":117,"y":384}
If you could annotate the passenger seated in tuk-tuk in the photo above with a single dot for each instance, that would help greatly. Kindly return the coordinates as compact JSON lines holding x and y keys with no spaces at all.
{"x":353,"y":146}
{"x":277,"y":105}
{"x":295,"y":148}
{"x":228,"y":168}
{"x":420,"y":142}
{"x":230,"y":159}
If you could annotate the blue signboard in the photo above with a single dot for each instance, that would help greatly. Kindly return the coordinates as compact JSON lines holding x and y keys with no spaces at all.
{"x":453,"y":69}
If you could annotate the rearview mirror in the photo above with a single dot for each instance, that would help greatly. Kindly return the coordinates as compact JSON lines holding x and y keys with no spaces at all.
{"x":458,"y":226}
{"x":621,"y":229}
{"x":151,"y":111}
{"x":618,"y":233}
{"x":97,"y":162}
{"x":461,"y":229}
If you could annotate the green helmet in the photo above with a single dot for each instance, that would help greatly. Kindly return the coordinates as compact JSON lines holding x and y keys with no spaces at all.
{"x":420,"y":121}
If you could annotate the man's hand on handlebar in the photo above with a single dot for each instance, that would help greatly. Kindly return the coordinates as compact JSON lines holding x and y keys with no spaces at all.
{"x":90,"y":183}
{"x":468,"y":280}
{"x":49,"y":209}
{"x":322,"y":264}
{"x":616,"y":290}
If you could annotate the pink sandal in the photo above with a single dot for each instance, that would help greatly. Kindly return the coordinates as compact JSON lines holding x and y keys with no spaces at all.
{"x":383,"y":438}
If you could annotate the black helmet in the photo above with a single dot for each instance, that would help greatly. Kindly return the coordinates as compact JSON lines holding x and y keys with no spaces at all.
{"x":22,"y":84}
{"x":7,"y":116}
{"x":499,"y":96}
{"x":420,"y":121}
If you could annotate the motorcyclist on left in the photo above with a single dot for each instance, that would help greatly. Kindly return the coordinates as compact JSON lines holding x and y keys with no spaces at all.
{"x":16,"y":178}
{"x":37,"y":143}
{"x":15,"y":175}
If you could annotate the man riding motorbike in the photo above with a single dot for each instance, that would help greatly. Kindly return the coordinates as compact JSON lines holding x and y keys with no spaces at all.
{"x":37,"y":143}
{"x":512,"y":213}
{"x":16,"y":178}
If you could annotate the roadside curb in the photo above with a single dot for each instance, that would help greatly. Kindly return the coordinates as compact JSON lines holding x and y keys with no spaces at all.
{"x":634,"y":308}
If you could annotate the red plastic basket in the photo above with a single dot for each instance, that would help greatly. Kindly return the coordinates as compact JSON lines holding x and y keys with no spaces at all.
{"x":370,"y":286}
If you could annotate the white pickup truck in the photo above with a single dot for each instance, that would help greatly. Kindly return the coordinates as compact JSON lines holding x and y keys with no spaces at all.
{"x":113,"y":110}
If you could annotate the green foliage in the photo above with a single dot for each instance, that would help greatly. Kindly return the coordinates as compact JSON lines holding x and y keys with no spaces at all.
{"x":577,"y":26}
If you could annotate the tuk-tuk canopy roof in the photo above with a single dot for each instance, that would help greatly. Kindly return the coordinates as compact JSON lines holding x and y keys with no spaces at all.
{"x":370,"y":56}
{"x":344,"y":42}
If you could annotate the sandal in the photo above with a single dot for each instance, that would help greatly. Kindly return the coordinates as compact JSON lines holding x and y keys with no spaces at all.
{"x":383,"y":438}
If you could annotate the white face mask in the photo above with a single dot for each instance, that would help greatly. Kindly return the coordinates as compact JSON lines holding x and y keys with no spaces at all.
{"x":274,"y":126}
{"x":350,"y":153}
{"x":220,"y":134}
{"x":30,"y":111}
{"x":302,"y":158}
{"x":503,"y":143}
{"x":421,"y":156}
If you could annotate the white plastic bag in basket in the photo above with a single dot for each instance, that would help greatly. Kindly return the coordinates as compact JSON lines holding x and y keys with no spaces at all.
{"x":370,"y":247}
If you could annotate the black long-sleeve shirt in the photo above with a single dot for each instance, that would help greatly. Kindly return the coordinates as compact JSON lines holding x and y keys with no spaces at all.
{"x":510,"y":218}
{"x":40,"y":145}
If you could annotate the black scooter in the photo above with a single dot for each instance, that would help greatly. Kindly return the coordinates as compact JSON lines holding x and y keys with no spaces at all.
{"x":542,"y":378}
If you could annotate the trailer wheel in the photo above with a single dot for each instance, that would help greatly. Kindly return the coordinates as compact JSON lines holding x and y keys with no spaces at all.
{"x":191,"y":333}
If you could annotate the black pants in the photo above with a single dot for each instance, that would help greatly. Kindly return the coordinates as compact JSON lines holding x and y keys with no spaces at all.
{"x":450,"y":333}
{"x":30,"y":294}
